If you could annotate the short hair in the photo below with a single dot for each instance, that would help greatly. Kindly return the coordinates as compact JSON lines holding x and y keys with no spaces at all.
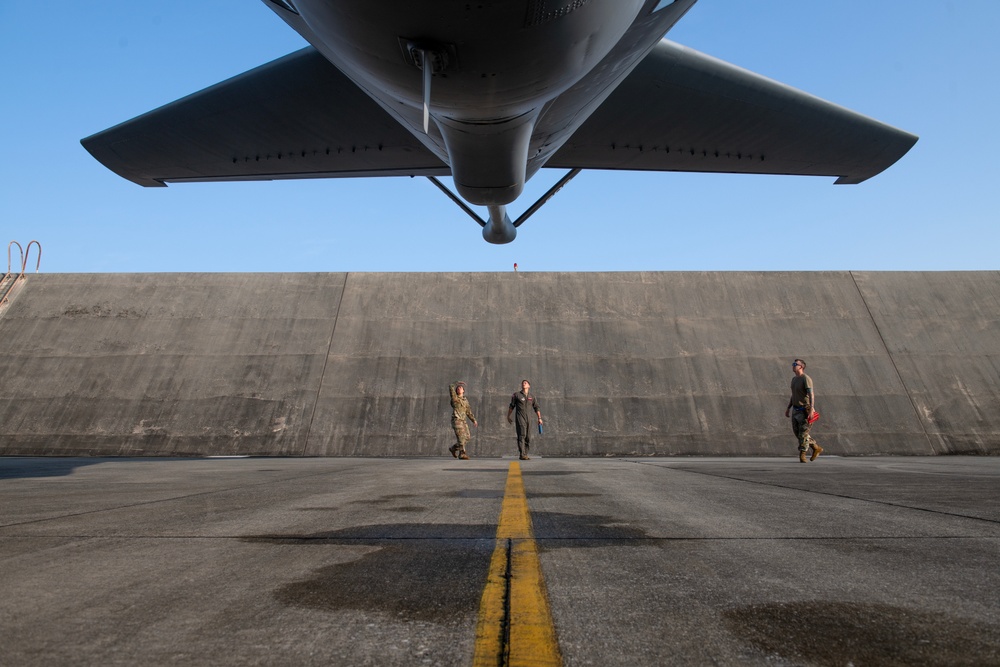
{"x":525,"y":380}
{"x":801,"y":362}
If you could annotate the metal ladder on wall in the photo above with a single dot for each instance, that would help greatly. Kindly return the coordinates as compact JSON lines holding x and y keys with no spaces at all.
{"x":10,"y":279}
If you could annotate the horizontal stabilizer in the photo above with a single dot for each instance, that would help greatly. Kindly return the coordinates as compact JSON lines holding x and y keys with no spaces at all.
{"x":296,"y":117}
{"x":681,"y":110}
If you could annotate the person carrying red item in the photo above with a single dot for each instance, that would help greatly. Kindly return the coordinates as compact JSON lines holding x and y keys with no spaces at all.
{"x":802,"y":410}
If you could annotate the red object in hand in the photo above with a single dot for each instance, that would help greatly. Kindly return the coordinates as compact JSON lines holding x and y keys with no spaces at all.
{"x":813,"y":418}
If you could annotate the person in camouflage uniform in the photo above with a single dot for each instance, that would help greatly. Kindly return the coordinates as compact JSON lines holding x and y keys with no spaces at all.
{"x":801,"y":406}
{"x":460,"y":412}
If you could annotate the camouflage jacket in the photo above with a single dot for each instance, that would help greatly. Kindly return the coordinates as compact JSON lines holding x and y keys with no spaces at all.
{"x":460,"y":406}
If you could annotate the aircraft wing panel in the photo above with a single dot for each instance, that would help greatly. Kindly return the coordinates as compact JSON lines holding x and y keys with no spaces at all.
{"x":296,"y":117}
{"x":681,"y":110}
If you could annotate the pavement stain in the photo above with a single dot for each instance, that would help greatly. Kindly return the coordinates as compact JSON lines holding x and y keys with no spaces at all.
{"x":842,"y":633}
{"x":558,"y":530}
{"x":476,"y":493}
{"x":382,"y":500}
{"x":417,"y":581}
{"x":420,"y":572}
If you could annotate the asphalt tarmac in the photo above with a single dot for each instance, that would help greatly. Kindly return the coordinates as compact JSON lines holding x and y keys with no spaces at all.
{"x":350,"y":561}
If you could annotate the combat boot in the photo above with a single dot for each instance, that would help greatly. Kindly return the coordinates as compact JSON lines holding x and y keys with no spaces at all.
{"x":463,"y":456}
{"x":802,"y":457}
{"x":817,"y":450}
{"x":454,"y":450}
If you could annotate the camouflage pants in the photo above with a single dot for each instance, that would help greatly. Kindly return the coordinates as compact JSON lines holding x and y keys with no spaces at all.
{"x":461,"y":433}
{"x":800,"y":427}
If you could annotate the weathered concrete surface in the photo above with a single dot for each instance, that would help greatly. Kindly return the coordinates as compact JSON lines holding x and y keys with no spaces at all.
{"x":157,"y":364}
{"x":942,"y":332}
{"x":353,"y":561}
{"x":642,"y":363}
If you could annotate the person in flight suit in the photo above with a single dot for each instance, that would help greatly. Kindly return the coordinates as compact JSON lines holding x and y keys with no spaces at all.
{"x":460,"y":412}
{"x":802,"y":405}
{"x":520,"y":401}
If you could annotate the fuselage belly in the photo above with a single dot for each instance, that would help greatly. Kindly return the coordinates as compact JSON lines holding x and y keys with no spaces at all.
{"x":497,"y":65}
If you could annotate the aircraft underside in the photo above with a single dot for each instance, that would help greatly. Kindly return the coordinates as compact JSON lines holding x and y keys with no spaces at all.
{"x":489,"y":93}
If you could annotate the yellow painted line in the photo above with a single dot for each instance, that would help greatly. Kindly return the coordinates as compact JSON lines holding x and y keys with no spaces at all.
{"x":515,"y":623}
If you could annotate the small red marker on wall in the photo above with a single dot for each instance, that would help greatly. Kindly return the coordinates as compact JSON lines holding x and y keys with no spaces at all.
{"x":515,"y":266}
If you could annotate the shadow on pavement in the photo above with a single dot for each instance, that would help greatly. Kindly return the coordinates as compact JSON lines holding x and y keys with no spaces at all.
{"x":16,"y":467}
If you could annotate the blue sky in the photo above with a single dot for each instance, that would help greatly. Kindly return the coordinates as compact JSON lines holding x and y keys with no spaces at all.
{"x":72,"y":68}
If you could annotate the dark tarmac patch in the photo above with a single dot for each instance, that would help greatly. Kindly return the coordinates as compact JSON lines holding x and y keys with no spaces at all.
{"x":477,"y":493}
{"x":392,"y":498}
{"x":844,"y":633}
{"x":382,"y":500}
{"x":439,"y":580}
{"x":380,"y":534}
{"x":556,"y":530}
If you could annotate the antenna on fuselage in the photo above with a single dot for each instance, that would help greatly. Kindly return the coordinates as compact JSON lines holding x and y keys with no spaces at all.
{"x":431,"y":59}
{"x":428,"y":75}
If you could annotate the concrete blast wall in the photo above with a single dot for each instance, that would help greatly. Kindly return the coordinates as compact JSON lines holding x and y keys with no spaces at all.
{"x":622,"y":363}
